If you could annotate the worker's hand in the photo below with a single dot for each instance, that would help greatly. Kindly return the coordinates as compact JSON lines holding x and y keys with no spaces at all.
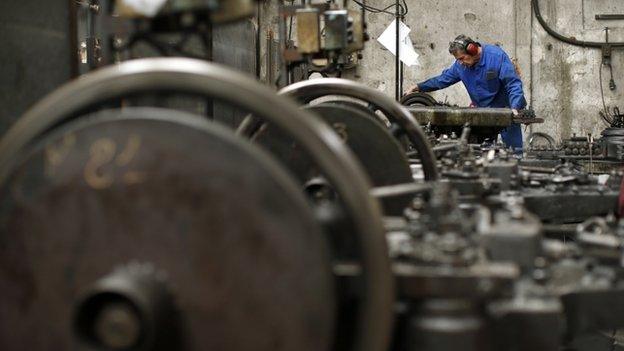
{"x":514,"y":111}
{"x":413,"y":89}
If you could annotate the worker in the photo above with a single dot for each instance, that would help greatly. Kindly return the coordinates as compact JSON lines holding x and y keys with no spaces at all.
{"x":490,"y":78}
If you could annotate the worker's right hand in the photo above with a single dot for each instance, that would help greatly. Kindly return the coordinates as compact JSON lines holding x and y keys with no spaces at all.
{"x":413,"y":89}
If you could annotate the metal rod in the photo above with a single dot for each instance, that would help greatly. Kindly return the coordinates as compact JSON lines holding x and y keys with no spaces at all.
{"x":283,"y":75}
{"x":73,"y":39}
{"x":400,"y":190}
{"x":258,"y":38}
{"x":609,"y":17}
{"x":397,"y":60}
{"x":458,"y":116}
{"x":269,"y":58}
{"x":445,"y":147}
{"x":538,"y":169}
{"x":401,"y":72}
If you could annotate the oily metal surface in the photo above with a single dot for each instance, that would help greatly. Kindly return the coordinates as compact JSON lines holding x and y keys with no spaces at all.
{"x":180,"y":75}
{"x":244,"y":259}
{"x":575,"y":205}
{"x":379,"y":153}
{"x":475,"y":116}
{"x":458,"y":116}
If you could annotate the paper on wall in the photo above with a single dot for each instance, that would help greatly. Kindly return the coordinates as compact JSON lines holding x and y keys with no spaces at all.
{"x":407,"y":54}
{"x":148,"y":8}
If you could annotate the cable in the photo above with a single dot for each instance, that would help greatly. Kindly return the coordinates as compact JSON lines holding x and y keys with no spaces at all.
{"x":571,"y":41}
{"x":605,"y":115}
{"x":604,"y":105}
{"x":403,"y":8}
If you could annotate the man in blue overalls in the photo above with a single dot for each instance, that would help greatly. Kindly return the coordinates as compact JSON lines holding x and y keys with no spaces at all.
{"x":489,"y":77}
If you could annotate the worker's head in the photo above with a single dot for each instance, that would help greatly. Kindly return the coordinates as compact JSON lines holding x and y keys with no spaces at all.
{"x":465,"y":50}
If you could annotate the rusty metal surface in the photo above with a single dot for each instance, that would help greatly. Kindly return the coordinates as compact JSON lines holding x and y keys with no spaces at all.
{"x":458,"y":116}
{"x":308,"y":30}
{"x":527,"y":120}
{"x":378,"y":151}
{"x":475,"y":116}
{"x":241,"y":253}
{"x":179,"y":75}
{"x":310,"y":90}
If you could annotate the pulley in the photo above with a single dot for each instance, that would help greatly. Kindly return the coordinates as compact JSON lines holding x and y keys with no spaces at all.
{"x":378,"y":151}
{"x":147,"y":229}
{"x":116,"y":197}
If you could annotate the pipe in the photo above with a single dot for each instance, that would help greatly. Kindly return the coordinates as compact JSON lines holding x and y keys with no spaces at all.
{"x":397,"y":60}
{"x":258,"y":38}
{"x":457,"y":116}
{"x":571,"y":41}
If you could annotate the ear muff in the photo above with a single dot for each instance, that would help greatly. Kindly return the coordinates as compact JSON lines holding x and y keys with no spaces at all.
{"x":472,"y":48}
{"x":468,"y":45}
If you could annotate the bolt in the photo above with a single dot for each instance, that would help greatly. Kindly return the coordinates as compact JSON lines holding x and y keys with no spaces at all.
{"x":117,"y":326}
{"x":540,"y":275}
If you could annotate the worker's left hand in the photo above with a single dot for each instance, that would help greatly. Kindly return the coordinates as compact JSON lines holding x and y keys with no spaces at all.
{"x":514,"y":111}
{"x":413,"y":89}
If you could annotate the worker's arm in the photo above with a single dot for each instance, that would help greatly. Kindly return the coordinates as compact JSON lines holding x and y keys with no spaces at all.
{"x":448,"y":77}
{"x":512,"y":84}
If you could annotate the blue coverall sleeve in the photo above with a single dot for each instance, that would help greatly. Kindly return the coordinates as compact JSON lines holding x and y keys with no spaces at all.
{"x":512,"y":84}
{"x":448,"y":77}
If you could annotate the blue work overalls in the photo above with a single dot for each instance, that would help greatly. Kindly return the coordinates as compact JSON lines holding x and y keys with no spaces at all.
{"x":491,"y":82}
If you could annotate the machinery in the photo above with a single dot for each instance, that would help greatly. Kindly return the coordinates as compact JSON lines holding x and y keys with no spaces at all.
{"x":328,"y":40}
{"x":108,"y":31}
{"x":329,"y":219}
{"x":602,"y":155}
{"x":443,"y":119}
{"x":72,"y":160}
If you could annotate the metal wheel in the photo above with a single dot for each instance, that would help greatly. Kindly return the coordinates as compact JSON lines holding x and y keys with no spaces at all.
{"x":212,"y":81}
{"x":308,"y":91}
{"x":418,"y":98}
{"x":380,"y":154}
{"x":117,"y":236}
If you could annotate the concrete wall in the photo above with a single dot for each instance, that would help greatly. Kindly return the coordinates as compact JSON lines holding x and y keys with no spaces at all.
{"x":561,"y":81}
{"x":565,"y":84}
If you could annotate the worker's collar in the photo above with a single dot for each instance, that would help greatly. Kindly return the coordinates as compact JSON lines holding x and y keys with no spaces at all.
{"x":481,"y":62}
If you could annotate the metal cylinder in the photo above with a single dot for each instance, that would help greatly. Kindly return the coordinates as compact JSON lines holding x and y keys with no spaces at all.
{"x":445,"y":324}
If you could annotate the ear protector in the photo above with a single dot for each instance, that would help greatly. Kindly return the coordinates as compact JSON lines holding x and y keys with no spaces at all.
{"x":470,"y":46}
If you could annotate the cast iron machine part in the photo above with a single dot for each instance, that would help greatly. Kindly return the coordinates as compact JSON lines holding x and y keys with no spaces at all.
{"x":54,"y":122}
{"x":558,"y":194}
{"x":485,"y":123}
{"x":401,"y":121}
{"x":112,"y":27}
{"x":419,"y":99}
{"x":483,"y":277}
{"x":603,"y":155}
{"x":375,"y":141}
{"x":328,"y":49}
{"x":379,"y":153}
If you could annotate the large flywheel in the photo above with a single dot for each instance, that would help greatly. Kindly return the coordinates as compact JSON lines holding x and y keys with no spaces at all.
{"x":114,"y":220}
{"x":141,"y":228}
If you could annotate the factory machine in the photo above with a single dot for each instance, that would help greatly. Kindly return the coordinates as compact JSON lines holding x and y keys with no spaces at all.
{"x":331,"y":218}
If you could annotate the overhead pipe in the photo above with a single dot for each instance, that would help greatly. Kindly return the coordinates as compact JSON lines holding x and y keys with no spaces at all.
{"x":571,"y":41}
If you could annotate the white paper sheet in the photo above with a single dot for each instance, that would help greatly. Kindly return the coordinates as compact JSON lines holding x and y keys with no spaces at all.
{"x":407,"y":54}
